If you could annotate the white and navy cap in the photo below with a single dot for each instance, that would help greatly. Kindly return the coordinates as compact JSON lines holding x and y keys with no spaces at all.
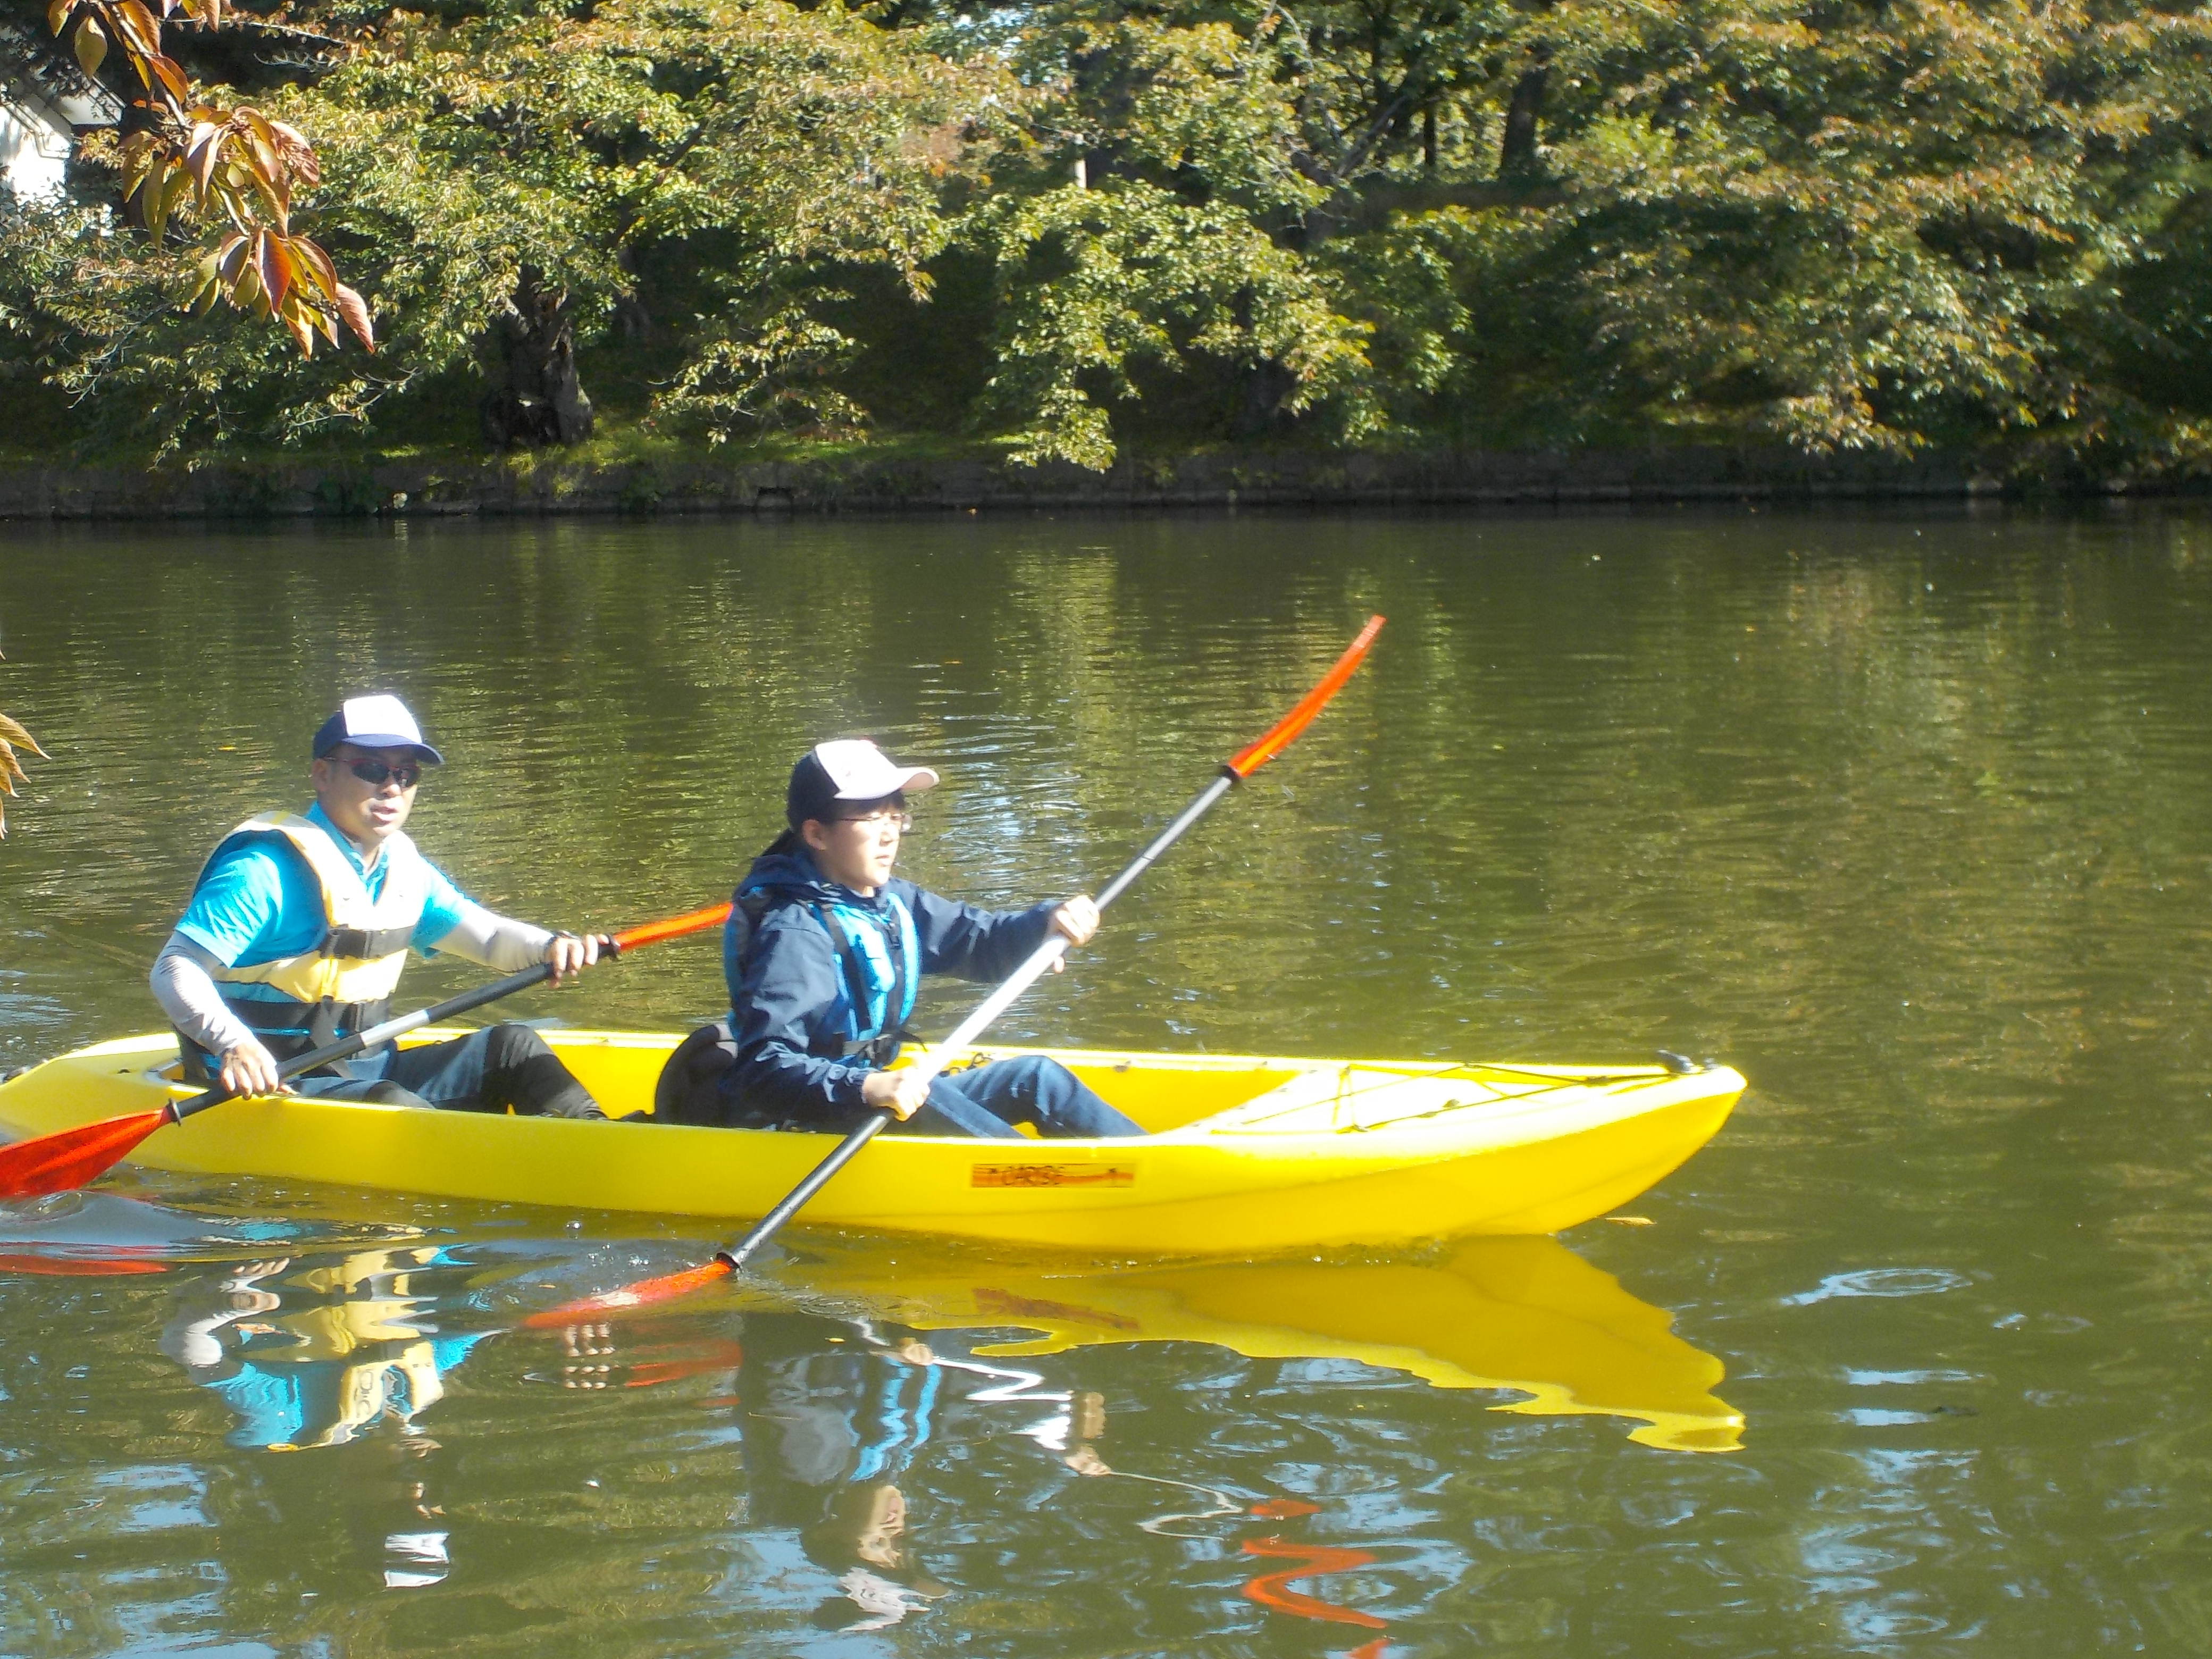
{"x":851,"y":768}
{"x":379,"y":722}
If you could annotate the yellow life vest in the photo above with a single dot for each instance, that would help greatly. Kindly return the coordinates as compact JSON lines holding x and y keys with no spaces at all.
{"x":365,"y":939}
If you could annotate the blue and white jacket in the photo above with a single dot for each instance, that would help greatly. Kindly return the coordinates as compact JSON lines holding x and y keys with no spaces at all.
{"x":793,"y":1008}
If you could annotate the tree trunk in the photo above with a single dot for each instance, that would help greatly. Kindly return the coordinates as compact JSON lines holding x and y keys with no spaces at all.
{"x":631,"y":320}
{"x":1516,"y":153}
{"x":534,"y":397}
{"x":1267,"y":386}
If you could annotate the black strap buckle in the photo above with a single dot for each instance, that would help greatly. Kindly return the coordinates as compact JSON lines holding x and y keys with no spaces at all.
{"x":366,"y":944}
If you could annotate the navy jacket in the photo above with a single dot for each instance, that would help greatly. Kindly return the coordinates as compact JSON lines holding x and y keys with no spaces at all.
{"x":787,"y":989}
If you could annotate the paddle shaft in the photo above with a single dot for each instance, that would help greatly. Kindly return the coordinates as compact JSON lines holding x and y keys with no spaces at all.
{"x":346,"y":1047}
{"x":1239,"y":767}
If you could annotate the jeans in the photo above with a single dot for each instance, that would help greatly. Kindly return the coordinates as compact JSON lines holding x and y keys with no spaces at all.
{"x":486,"y":1071}
{"x":988,"y":1102}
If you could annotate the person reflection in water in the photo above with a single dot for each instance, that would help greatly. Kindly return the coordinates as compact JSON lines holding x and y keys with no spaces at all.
{"x":318,"y":1355}
{"x":835,"y":1413}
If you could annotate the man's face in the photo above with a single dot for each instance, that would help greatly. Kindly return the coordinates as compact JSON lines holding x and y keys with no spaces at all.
{"x":364,"y":809}
{"x":858,"y":852}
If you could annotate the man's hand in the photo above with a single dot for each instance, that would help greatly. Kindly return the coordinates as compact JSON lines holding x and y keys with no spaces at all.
{"x":571,"y":955}
{"x":1075,"y":921}
{"x":250,"y":1069}
{"x":902,"y":1093}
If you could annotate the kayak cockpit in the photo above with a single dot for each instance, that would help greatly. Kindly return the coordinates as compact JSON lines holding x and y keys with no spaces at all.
{"x":1224,"y":1095}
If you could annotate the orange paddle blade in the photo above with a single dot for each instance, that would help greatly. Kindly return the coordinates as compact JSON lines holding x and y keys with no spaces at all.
{"x":643,"y":1294}
{"x":75,"y":1266}
{"x":1277,"y":736}
{"x":69,"y":1157}
{"x":652,"y":932}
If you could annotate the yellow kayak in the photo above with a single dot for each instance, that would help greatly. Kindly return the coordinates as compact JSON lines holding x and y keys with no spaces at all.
{"x":1242,"y":1155}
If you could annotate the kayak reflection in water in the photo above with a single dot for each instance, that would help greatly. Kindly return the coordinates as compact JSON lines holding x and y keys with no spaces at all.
{"x":317,"y":1356}
{"x":836,"y":1411}
{"x":824,"y":952}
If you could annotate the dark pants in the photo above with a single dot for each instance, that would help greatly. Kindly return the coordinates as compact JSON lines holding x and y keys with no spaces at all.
{"x":486,"y":1071}
{"x":988,"y":1100}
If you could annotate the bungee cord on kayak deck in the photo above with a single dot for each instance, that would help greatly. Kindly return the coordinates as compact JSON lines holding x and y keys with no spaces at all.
{"x":1610,"y":1083}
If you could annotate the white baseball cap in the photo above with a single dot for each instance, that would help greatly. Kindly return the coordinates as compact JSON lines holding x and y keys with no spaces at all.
{"x":378,"y":722}
{"x":851,"y":768}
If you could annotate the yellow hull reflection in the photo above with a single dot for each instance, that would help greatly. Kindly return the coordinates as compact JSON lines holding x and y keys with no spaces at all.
{"x":1524,"y":1314}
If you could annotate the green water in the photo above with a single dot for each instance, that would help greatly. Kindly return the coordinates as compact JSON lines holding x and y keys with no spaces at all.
{"x":1904,"y":817}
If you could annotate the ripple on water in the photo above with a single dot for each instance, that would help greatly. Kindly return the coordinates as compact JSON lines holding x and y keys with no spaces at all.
{"x":1880,"y":1282}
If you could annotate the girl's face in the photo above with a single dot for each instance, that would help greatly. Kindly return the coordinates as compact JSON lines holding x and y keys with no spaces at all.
{"x":858,"y":852}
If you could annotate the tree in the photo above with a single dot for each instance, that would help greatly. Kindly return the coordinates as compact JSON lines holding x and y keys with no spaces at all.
{"x":517,"y":182}
{"x":1072,"y":226}
{"x":228,"y":164}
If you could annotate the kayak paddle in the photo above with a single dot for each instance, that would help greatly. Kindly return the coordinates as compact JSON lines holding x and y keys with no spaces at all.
{"x":1234,"y":771}
{"x":69,"y":1157}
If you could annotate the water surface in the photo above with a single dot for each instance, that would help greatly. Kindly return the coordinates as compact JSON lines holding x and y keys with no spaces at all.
{"x":1904,"y":816}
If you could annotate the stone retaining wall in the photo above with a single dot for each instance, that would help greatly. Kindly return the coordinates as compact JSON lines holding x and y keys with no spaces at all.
{"x":543,"y":484}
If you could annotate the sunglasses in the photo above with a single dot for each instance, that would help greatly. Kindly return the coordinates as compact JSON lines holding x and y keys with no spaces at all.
{"x":376,"y":774}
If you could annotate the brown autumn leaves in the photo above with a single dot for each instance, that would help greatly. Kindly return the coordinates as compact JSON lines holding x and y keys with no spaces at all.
{"x":233,"y":166}
{"x":12,"y":738}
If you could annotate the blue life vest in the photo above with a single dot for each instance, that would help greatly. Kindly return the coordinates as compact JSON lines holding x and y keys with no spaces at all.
{"x":880,"y":955}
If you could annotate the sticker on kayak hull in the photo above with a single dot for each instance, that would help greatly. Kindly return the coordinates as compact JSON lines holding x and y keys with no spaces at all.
{"x":1051,"y":1175}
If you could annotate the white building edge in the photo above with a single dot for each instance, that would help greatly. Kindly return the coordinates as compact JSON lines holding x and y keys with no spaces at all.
{"x":46,"y":103}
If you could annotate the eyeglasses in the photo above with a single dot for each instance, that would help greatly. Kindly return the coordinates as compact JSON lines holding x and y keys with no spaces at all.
{"x":376,"y":774}
{"x":880,"y":821}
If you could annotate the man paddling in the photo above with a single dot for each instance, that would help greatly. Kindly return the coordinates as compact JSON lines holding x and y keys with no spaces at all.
{"x":299,"y":924}
{"x":823,"y":953}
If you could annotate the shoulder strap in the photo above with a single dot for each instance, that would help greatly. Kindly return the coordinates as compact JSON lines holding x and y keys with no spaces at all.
{"x":341,"y":883}
{"x":905,"y":943}
{"x":332,"y":871}
{"x":856,"y":981}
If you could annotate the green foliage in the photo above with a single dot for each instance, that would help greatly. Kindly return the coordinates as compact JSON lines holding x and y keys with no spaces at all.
{"x":468,"y":151}
{"x":95,"y":315}
{"x":1091,"y":280}
{"x":1070,"y":226}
